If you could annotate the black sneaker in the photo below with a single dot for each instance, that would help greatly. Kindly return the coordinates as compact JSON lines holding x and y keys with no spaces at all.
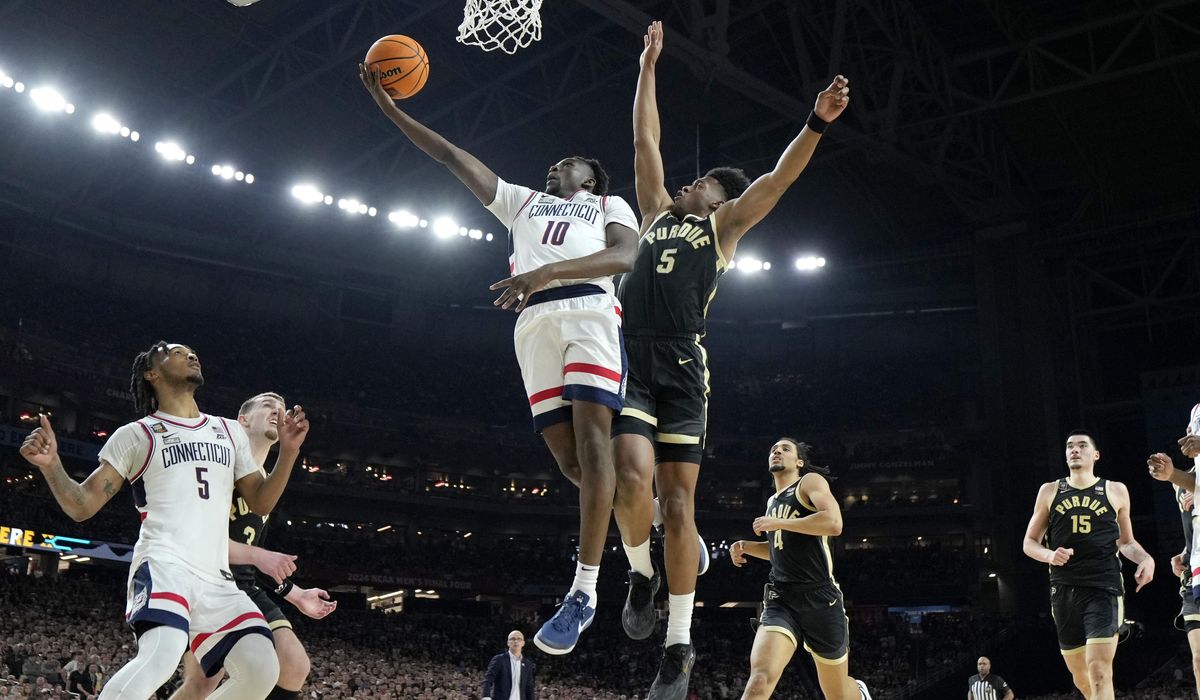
{"x":639,"y":616}
{"x":671,"y":683}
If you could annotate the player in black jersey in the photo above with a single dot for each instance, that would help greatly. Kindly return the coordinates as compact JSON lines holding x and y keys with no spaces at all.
{"x":1163,"y":468}
{"x":802,"y":603}
{"x":686,"y":241}
{"x":1085,"y":521}
{"x":247,"y":558}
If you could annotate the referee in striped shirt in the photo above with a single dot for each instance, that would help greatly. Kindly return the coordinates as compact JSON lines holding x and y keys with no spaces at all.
{"x":986,"y":685}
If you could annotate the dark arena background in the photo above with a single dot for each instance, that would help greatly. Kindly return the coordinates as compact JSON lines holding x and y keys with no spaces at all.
{"x":998,"y":242}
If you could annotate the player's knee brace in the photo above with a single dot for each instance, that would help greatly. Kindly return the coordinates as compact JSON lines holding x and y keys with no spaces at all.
{"x":253,"y":669}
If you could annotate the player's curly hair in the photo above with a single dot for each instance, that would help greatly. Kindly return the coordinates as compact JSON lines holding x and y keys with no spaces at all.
{"x":803,"y":450}
{"x":732,"y":180}
{"x":598,"y":172}
{"x":145,"y":401}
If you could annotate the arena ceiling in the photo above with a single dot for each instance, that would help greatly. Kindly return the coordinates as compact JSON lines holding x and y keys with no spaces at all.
{"x":1060,"y":113}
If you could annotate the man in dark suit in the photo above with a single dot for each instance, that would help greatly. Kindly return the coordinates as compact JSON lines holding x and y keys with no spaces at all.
{"x":509,"y":675}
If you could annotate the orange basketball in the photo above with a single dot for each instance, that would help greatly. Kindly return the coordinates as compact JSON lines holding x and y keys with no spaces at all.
{"x":402,"y":63}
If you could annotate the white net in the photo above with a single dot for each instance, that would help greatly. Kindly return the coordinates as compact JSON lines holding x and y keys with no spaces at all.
{"x":507,"y":25}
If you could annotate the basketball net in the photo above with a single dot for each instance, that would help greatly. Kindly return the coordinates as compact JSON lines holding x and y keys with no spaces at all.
{"x":507,"y":25}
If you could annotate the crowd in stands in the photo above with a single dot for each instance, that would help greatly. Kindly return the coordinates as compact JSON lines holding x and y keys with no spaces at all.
{"x":67,"y":632}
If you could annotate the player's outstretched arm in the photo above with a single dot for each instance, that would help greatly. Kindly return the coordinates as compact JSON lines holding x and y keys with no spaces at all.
{"x":313,"y":602}
{"x":1129,"y":547}
{"x":617,"y":258}
{"x":738,"y":216}
{"x":80,"y":501}
{"x":649,"y":174}
{"x":263,"y":493}
{"x":474,"y":174}
{"x":827,"y":520}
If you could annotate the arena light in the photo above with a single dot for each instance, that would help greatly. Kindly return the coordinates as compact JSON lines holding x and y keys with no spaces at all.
{"x":328,"y":199}
{"x":403,"y":219}
{"x":463,"y":231}
{"x":19,"y":86}
{"x":191,"y":159}
{"x":810,"y":263}
{"x":489,"y":237}
{"x":423,"y":223}
{"x":106,"y":123}
{"x":134,"y":136}
{"x":170,"y":150}
{"x":372,"y":211}
{"x":125,"y":132}
{"x":249,"y":178}
{"x":6,"y":80}
{"x":749,"y":265}
{"x":227,"y":172}
{"x":475,"y":234}
{"x":239,"y":176}
{"x":444,"y":227}
{"x":305,"y":193}
{"x":216,"y":170}
{"x":48,"y":99}
{"x":363,"y":209}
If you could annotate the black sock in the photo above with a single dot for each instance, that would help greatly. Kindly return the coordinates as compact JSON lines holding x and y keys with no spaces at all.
{"x":281,"y":694}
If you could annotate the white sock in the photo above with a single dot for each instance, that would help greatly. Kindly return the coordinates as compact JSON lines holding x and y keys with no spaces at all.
{"x":585,"y":580}
{"x":639,"y":558}
{"x":679,"y":618}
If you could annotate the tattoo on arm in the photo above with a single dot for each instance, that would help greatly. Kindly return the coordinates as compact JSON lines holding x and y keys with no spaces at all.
{"x":109,"y":489}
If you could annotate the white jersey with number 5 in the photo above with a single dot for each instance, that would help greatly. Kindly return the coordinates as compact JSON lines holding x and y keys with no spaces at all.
{"x":544,"y":228}
{"x":182,"y":471}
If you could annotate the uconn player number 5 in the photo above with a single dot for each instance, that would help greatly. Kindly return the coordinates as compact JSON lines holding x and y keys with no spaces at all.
{"x":556,"y":232}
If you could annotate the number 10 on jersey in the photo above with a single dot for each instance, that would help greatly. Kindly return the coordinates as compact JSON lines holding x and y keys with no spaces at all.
{"x":555,"y":233}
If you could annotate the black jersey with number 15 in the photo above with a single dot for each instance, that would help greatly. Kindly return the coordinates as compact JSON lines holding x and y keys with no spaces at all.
{"x":675,"y":277}
{"x":1086,"y":521}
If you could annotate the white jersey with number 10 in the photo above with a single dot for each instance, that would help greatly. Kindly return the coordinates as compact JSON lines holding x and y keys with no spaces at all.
{"x":544,"y":228}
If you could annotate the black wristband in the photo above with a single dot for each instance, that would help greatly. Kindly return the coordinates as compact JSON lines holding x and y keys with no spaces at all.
{"x":284,"y":588}
{"x":816,"y":123}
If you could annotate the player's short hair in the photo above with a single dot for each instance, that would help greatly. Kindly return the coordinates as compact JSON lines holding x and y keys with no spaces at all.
{"x":145,"y":401}
{"x":1086,"y":433}
{"x":598,"y":173}
{"x":249,"y":404}
{"x":803,"y":449}
{"x":732,"y":180}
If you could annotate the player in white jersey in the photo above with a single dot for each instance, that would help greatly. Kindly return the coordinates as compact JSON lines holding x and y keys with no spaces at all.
{"x":183,"y":466}
{"x":566,"y":242}
{"x":1186,"y":564}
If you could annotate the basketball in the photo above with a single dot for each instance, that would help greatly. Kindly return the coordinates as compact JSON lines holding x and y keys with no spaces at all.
{"x":403,"y":65}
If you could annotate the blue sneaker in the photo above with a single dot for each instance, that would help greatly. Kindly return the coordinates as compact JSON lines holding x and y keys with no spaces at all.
{"x":705,"y":555}
{"x":561,"y":633}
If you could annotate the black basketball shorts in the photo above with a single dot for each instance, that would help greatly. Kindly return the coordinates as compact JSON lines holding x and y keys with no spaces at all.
{"x":1084,"y":615}
{"x":814,"y":617}
{"x":666,"y":396}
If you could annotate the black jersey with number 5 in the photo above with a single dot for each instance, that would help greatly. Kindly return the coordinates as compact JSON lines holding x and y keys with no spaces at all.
{"x":1086,"y":521}
{"x":675,"y":277}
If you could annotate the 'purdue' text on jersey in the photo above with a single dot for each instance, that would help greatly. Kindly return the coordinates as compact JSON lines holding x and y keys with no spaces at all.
{"x":796,"y":557}
{"x":675,"y":277}
{"x":1085,"y":520}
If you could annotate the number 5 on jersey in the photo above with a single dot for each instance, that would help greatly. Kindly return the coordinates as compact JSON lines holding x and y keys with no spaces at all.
{"x":666,"y":261}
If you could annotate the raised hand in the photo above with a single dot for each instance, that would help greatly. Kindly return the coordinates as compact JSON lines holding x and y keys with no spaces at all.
{"x":370,"y":79}
{"x":653,"y":42}
{"x":41,"y":447}
{"x":274,"y":564}
{"x":293,"y":428}
{"x":313,"y":602}
{"x":832,"y":101}
{"x":1177,"y":565}
{"x":1190,"y":445}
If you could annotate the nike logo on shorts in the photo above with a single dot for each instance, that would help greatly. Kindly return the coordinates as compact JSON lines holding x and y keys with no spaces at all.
{"x":683,"y":361}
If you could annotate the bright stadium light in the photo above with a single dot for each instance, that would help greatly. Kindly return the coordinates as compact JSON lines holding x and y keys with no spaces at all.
{"x":6,"y":81}
{"x":475,"y":234}
{"x":372,"y":211}
{"x":170,"y":150}
{"x":305,"y":193}
{"x":328,"y":199}
{"x":191,"y":159}
{"x":766,"y":266}
{"x":48,"y":99}
{"x":444,"y":227}
{"x":249,"y":179}
{"x":134,"y":136}
{"x":125,"y":132}
{"x":227,"y":172}
{"x":105,"y":123}
{"x":463,"y":231}
{"x":489,"y":238}
{"x":363,"y":209}
{"x":216,"y":170}
{"x":750,"y":265}
{"x":69,"y":109}
{"x":239,"y":176}
{"x":19,"y":86}
{"x":423,"y":223}
{"x":403,"y":219}
{"x":809,"y":263}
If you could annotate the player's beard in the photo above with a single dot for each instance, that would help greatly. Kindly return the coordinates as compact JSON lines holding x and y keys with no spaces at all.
{"x":271,"y":434}
{"x":776,"y":468}
{"x":197,"y":379}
